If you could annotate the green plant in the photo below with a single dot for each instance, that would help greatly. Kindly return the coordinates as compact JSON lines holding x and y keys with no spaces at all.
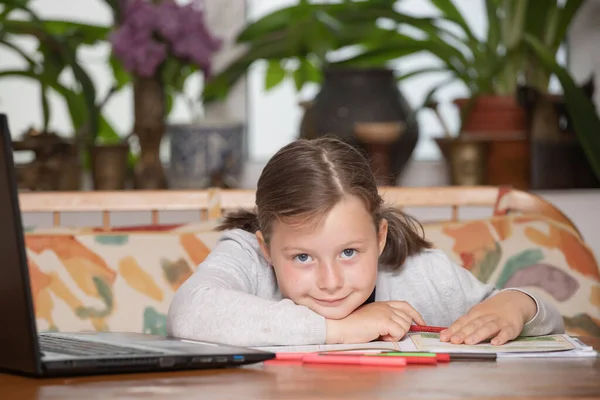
{"x":300,"y":41}
{"x":57,"y":44}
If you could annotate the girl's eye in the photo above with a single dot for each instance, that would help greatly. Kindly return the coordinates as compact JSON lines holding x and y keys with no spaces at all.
{"x":303,"y":258}
{"x":349,"y":253}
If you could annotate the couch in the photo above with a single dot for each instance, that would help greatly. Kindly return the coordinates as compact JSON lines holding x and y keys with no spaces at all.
{"x":103,"y":277}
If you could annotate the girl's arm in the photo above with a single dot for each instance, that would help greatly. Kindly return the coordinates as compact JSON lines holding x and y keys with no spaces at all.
{"x":476,"y":302}
{"x":218,"y":304}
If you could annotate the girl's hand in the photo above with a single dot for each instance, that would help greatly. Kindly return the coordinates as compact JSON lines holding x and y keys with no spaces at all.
{"x":501,"y":318}
{"x":389,"y":321}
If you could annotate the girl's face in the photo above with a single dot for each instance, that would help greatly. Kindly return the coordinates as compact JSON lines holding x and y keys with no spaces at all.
{"x":330,"y":268}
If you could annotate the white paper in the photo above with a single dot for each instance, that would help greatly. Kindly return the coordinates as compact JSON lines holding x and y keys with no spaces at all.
{"x":404,"y":345}
{"x":556,"y":346}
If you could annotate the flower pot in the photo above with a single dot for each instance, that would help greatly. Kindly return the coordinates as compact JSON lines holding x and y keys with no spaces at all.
{"x":352,"y":97}
{"x":492,"y":115}
{"x":501,"y":120}
{"x":208,"y":154}
{"x":109,"y":166}
{"x":467,"y":159}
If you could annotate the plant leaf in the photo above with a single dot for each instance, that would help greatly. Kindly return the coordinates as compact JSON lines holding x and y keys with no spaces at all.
{"x":450,"y":11}
{"x":275,"y":74}
{"x":421,"y":71}
{"x":581,"y":109}
{"x":565,"y":17}
{"x":121,"y":75}
{"x":433,"y":90}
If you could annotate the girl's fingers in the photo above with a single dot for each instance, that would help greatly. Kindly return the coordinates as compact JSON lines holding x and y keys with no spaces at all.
{"x":506,"y":333}
{"x":408,"y":309}
{"x":484,"y":332}
{"x":456,"y":326}
{"x":471,"y":330}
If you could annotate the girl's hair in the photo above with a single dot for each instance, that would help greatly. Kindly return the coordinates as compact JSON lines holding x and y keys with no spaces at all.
{"x":307,"y":178}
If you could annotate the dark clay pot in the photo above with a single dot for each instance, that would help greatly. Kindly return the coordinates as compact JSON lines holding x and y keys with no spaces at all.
{"x":353,"y":95}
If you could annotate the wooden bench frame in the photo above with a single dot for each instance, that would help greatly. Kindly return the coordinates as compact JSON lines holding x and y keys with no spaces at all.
{"x":211,"y":203}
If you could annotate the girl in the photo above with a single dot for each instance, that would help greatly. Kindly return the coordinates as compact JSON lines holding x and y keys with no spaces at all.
{"x":323,"y":260}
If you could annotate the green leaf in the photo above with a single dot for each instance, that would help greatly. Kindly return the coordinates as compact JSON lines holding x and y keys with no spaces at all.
{"x":516,"y":262}
{"x":300,"y":75}
{"x":493,"y":34}
{"x":421,"y":71}
{"x":565,"y":17}
{"x":121,"y":75}
{"x":275,"y":22}
{"x":513,"y":26}
{"x":275,"y":74}
{"x":306,"y":72}
{"x":582,"y":111}
{"x":106,"y":133}
{"x":84,"y":33}
{"x":429,"y":95}
{"x":450,"y":11}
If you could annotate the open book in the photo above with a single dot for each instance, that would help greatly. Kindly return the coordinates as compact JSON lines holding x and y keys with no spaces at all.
{"x":536,"y":346}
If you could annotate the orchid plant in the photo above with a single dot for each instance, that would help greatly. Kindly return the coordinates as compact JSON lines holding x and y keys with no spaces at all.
{"x":166,"y":40}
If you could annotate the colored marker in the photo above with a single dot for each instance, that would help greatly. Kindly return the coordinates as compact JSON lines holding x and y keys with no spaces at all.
{"x":422,"y":328}
{"x":355,"y":360}
{"x":446,"y":357}
{"x":416,"y":358}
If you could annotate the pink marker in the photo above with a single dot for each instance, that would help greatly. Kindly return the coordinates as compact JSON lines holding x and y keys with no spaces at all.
{"x":354,"y":360}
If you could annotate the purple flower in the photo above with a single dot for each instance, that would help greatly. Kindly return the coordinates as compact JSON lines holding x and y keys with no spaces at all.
{"x":168,"y":24}
{"x":149,"y":33}
{"x":141,"y":15}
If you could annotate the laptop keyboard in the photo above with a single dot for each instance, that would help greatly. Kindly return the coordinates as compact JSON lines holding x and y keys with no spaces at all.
{"x":76,"y":347}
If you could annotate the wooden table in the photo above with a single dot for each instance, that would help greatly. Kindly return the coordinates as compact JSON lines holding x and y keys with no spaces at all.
{"x":506,"y":378}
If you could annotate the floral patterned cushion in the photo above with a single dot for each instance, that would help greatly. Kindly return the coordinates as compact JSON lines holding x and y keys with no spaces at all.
{"x":124,"y":279}
{"x":531,"y":252}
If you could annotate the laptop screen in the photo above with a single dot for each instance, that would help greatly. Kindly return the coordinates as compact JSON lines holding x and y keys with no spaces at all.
{"x":18,"y":340}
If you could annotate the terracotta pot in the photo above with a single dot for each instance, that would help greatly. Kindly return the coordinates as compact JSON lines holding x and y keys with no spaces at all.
{"x":109,"y":166}
{"x":493,"y":114}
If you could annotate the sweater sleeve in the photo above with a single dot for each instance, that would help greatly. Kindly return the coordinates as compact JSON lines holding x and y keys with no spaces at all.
{"x":465,"y":291}
{"x":218,"y":304}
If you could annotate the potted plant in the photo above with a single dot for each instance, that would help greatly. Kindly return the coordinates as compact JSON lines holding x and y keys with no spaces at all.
{"x":302,"y":42}
{"x":58,"y":42}
{"x":160,"y":44}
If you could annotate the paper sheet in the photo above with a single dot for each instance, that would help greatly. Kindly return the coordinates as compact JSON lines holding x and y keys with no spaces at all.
{"x":538,"y":346}
{"x":404,"y":345}
{"x":431,"y":342}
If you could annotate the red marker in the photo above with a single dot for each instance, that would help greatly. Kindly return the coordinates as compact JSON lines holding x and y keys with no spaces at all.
{"x":422,"y":328}
{"x":355,"y":360}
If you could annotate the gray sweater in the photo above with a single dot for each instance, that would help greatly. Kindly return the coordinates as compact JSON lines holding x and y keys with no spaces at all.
{"x":233,"y":298}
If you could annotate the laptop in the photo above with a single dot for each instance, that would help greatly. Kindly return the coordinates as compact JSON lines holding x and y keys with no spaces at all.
{"x":25,"y":351}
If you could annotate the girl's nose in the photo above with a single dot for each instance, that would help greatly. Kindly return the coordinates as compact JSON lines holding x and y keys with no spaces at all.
{"x":330,"y":277}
